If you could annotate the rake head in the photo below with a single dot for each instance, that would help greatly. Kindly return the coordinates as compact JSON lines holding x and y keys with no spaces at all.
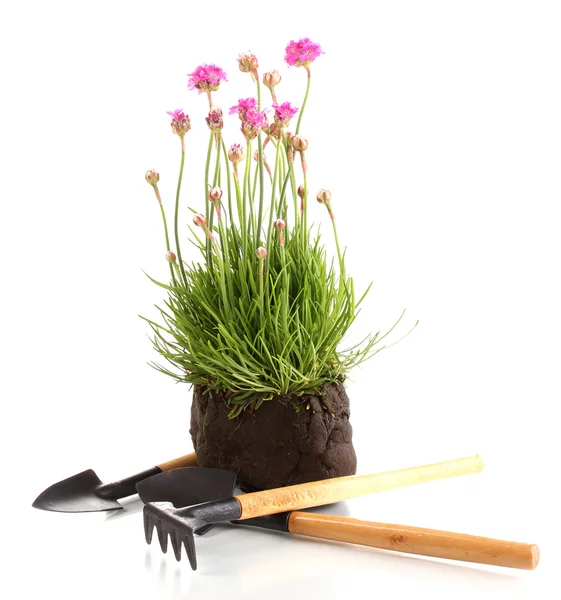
{"x":181,"y":523}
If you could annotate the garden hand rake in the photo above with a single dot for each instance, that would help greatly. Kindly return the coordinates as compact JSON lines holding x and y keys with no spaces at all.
{"x":180,"y":524}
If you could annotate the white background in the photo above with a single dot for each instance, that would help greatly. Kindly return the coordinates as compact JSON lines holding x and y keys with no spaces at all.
{"x":437,"y":127}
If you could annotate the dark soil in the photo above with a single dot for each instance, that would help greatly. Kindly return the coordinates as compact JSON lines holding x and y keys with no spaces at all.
{"x":287,"y":440}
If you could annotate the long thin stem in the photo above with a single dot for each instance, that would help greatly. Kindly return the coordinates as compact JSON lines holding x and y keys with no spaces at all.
{"x":245,"y":198}
{"x":304,"y":102}
{"x":305,"y":212}
{"x":273,"y":209}
{"x":207,"y":203}
{"x":159,"y":198}
{"x":260,"y":159}
{"x":167,"y":239}
{"x":176,"y":217}
{"x":341,"y":264}
{"x":230,"y":212}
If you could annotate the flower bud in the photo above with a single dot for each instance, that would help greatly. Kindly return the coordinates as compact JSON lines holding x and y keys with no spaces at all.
{"x":235,"y":153}
{"x":247,"y":62}
{"x":299,"y":143}
{"x":279,"y":224}
{"x":271,"y":79}
{"x":199,"y":220}
{"x":214,"y":194}
{"x":324,"y":197}
{"x":256,"y":155}
{"x":180,"y":123}
{"x":301,"y":191}
{"x":214,"y":120}
{"x":261,"y":252}
{"x":250,"y":130}
{"x":170,"y":256}
{"x":152,"y":177}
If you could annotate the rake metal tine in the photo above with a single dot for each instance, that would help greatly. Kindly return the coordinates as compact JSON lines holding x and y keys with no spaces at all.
{"x":189,"y":542}
{"x":148,"y":527}
{"x":162,"y":536}
{"x":173,"y":522}
{"x":176,"y":542}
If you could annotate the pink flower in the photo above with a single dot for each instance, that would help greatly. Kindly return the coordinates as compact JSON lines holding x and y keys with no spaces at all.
{"x":206,"y":78}
{"x":243,"y":106}
{"x":283,"y":113}
{"x":180,"y":123}
{"x":302,"y":52}
{"x":259,"y":119}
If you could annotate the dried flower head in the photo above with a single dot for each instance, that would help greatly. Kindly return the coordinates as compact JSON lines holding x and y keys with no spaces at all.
{"x":152,"y":176}
{"x":283,"y":113}
{"x":247,"y":62}
{"x":180,"y":123}
{"x":302,"y":53}
{"x":214,"y":120}
{"x":243,"y":106}
{"x":170,"y":256}
{"x":236,"y":153}
{"x":271,"y":79}
{"x":206,"y":78}
{"x":299,"y":143}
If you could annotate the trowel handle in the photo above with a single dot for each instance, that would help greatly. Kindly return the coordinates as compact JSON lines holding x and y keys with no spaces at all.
{"x":189,"y":460}
{"x":327,"y":491}
{"x":416,"y":540}
{"x":127,"y":487}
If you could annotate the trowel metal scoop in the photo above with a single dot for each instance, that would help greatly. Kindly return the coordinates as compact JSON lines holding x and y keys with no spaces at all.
{"x":85,"y":492}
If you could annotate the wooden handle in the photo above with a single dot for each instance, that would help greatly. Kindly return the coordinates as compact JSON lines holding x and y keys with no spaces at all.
{"x":327,"y":491}
{"x":416,"y":540}
{"x":189,"y":460}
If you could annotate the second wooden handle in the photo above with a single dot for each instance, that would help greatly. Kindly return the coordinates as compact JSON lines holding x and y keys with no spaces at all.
{"x":327,"y":491}
{"x":189,"y":460}
{"x":416,"y":540}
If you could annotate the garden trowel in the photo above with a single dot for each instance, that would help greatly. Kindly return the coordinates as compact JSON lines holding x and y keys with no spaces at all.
{"x":85,"y":492}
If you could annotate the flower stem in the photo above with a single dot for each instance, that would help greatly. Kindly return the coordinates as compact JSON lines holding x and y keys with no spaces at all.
{"x":246,"y":197}
{"x":207,"y":203}
{"x":176,"y":217}
{"x":305,"y":213}
{"x":260,"y":159}
{"x":159,"y":198}
{"x":303,"y":103}
{"x":272,"y":214}
{"x":341,"y":263}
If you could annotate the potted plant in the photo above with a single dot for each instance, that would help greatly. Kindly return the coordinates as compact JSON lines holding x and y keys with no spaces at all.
{"x":256,"y":325}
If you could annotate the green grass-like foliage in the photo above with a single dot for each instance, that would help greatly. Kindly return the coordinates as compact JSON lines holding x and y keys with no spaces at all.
{"x":258,"y":327}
